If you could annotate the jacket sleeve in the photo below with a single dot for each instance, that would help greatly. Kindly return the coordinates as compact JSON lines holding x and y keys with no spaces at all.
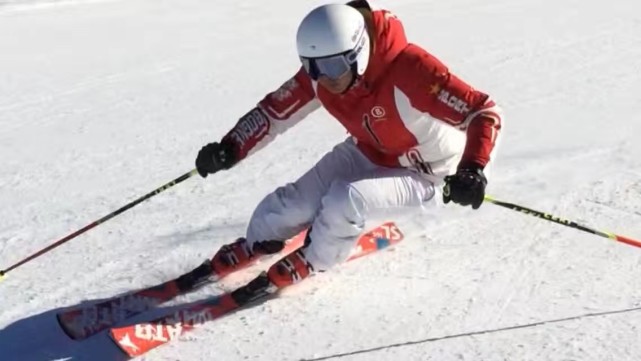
{"x":275,"y":113}
{"x":433,"y":89}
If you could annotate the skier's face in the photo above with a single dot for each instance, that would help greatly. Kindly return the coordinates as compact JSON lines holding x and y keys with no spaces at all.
{"x":338,"y":85}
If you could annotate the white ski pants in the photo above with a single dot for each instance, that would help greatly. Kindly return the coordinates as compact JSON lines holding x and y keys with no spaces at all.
{"x":340,"y":196}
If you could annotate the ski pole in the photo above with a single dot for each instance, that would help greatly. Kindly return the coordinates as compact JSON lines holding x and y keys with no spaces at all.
{"x":565,"y":222}
{"x":100,"y":221}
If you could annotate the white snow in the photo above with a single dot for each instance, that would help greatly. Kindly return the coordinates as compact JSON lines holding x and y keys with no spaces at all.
{"x":103,"y":101}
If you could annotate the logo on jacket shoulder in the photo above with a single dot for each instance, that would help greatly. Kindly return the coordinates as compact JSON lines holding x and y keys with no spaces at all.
{"x":451,"y":100}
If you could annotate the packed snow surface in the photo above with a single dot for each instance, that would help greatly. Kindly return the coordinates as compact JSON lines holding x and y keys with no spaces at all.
{"x":103,"y":101}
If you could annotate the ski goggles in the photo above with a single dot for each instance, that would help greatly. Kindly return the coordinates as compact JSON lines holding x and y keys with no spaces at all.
{"x":334,"y":66}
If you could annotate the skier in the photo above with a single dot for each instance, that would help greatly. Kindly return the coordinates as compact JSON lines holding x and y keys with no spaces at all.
{"x":414,"y":126}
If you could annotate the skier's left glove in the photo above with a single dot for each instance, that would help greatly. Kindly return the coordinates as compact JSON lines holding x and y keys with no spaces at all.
{"x":466,"y":187}
{"x":214,"y":157}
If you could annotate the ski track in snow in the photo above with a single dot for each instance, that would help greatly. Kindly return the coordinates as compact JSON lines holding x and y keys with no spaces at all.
{"x":102,"y":101}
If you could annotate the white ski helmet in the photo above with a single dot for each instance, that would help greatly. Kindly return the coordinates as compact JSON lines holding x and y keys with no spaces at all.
{"x":332,"y":39}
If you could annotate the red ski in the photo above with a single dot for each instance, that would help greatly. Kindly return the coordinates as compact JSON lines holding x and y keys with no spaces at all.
{"x":84,"y":321}
{"x":137,"y":339}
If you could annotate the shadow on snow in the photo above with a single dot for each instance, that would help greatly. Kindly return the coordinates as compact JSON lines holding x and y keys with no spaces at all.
{"x":39,"y":337}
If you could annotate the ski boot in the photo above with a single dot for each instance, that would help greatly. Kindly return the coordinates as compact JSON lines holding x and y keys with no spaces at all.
{"x":288,"y":271}
{"x":239,"y":255}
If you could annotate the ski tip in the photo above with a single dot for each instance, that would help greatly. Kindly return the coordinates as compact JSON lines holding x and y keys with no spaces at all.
{"x":2,"y":275}
{"x":123,"y":342}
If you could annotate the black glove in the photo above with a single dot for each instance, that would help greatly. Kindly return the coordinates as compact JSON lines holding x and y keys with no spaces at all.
{"x":466,"y":187}
{"x":214,"y":157}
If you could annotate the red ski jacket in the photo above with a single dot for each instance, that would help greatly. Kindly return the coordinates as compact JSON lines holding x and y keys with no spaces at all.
{"x":407,"y":110}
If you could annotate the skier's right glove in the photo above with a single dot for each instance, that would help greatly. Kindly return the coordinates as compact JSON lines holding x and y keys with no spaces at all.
{"x":214,"y":157}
